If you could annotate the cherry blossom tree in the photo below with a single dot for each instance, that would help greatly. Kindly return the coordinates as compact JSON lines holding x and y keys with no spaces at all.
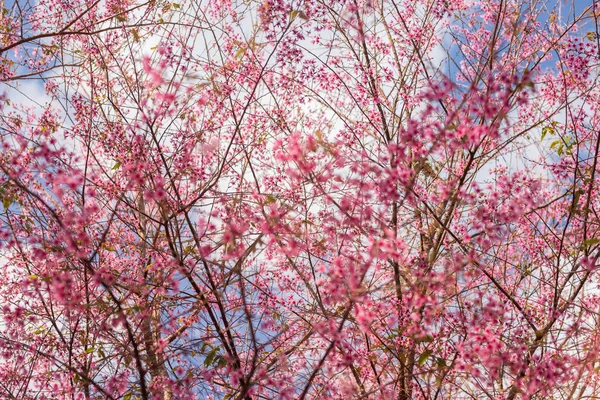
{"x":299,"y":199}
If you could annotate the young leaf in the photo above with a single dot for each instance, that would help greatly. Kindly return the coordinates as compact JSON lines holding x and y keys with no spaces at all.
{"x":210,"y":357}
{"x":424,"y":356}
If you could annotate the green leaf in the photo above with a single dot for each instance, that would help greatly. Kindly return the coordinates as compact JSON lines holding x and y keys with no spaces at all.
{"x":424,"y":356}
{"x":426,"y":339}
{"x":270,"y":199}
{"x":240,"y":53}
{"x":591,"y":36}
{"x":298,"y":13}
{"x":176,"y":6}
{"x":590,"y":242}
{"x":210,"y":357}
{"x":441,"y":363}
{"x":7,"y":202}
{"x":547,"y":130}
{"x":204,"y":346}
{"x":222,"y":362}
{"x":576,"y":196}
{"x":127,"y":396}
{"x":89,"y":350}
{"x":559,"y":145}
{"x":108,"y":247}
